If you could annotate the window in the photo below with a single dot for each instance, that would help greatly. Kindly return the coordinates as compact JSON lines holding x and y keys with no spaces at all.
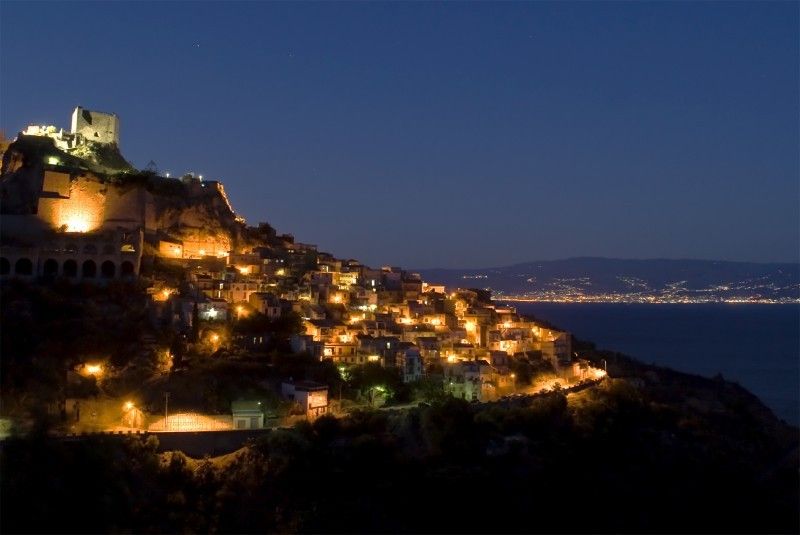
{"x":50,"y":268}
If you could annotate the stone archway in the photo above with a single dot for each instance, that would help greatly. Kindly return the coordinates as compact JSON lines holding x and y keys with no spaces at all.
{"x":50,"y":268}
{"x":108,"y":269}
{"x":89,"y":270}
{"x":126,"y":269}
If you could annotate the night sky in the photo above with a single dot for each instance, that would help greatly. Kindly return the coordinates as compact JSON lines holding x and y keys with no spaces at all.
{"x":446,"y":134}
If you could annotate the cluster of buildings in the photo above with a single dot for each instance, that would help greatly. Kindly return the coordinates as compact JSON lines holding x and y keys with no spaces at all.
{"x":62,"y":219}
{"x":353,"y":314}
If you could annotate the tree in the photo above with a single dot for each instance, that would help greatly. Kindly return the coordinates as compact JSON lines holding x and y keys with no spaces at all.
{"x":429,"y":389}
{"x":371,"y":379}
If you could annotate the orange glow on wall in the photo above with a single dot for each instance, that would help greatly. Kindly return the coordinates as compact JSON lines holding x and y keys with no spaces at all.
{"x":78,"y":222}
{"x":169,"y":249}
{"x":82,"y":211}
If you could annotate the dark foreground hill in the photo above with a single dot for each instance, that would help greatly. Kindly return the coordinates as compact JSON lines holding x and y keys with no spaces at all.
{"x":650,"y":451}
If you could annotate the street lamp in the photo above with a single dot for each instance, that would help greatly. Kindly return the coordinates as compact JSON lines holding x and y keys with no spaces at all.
{"x":130,"y":414}
{"x":378,"y":388}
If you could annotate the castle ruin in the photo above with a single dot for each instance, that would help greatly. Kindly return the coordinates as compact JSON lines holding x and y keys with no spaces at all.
{"x":73,"y":207}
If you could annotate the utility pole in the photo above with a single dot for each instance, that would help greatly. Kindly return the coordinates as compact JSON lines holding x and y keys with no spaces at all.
{"x":166,"y":411}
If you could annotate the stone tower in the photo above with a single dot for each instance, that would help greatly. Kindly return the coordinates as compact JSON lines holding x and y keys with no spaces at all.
{"x":96,"y":126}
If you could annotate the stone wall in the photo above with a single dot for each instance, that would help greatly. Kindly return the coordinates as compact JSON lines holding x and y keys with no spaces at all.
{"x":83,"y":209}
{"x":96,"y":126}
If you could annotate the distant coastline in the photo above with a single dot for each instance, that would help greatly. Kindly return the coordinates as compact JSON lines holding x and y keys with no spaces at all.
{"x":648,"y":300}
{"x":614,"y":280}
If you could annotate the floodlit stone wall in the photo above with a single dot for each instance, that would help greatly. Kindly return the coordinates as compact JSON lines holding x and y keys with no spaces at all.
{"x":83,"y":210}
{"x":95,"y":126}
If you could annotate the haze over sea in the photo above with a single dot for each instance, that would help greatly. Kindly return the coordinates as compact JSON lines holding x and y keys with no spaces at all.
{"x":757,"y":346}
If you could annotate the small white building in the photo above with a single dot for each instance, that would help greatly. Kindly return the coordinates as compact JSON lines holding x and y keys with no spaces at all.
{"x":310,"y":396}
{"x":247,"y":415}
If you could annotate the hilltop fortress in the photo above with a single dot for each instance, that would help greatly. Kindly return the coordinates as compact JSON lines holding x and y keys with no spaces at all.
{"x":72,"y":206}
{"x":87,"y":126}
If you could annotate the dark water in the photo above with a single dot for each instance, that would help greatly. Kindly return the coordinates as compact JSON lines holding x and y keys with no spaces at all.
{"x":757,"y":346}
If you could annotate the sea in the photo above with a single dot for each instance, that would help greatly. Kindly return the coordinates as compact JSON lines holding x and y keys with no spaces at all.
{"x":755,"y":345}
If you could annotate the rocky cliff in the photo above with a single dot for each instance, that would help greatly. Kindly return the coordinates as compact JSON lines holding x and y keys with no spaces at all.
{"x":39,"y":181}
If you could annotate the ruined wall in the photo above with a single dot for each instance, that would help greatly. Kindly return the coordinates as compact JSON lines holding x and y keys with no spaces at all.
{"x":96,"y":126}
{"x":79,"y":201}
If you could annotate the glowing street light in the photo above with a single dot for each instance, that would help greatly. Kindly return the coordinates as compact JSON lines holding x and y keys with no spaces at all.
{"x":343,"y":372}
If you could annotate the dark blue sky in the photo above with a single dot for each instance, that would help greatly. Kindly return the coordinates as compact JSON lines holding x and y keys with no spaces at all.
{"x":446,"y":134}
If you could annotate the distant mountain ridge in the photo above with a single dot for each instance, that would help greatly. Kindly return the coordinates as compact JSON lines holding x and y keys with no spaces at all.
{"x":613,"y":279}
